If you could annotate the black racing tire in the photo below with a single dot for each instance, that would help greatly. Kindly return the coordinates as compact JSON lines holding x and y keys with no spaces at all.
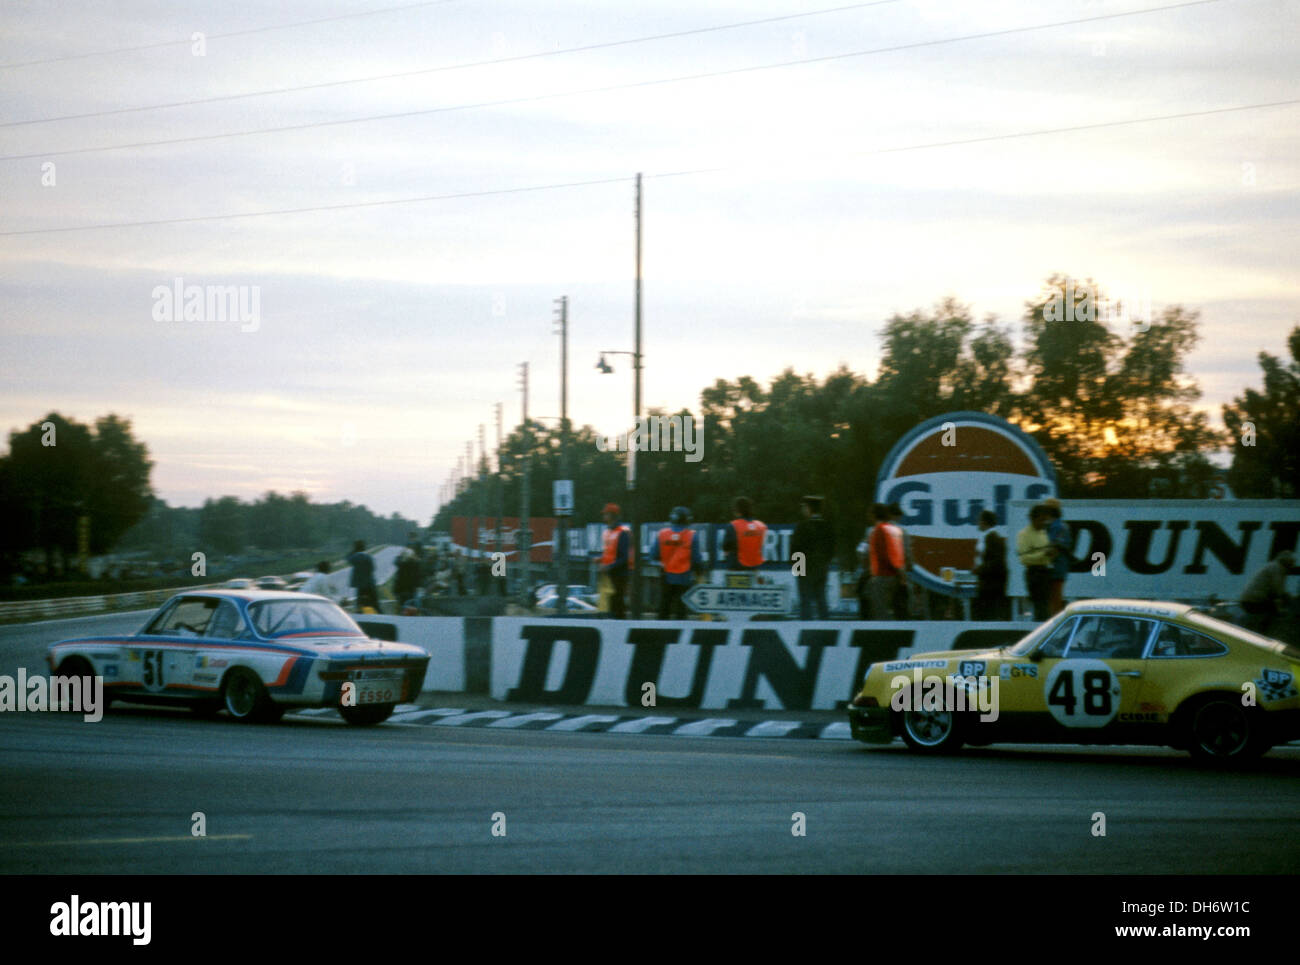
{"x":80,"y":667}
{"x":1222,"y":730}
{"x":365,"y":715}
{"x":931,"y":731}
{"x":245,"y":698}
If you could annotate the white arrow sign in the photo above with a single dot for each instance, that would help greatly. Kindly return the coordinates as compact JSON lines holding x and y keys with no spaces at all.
{"x":704,"y":598}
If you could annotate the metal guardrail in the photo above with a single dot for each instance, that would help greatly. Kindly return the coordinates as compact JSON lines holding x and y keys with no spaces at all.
{"x":77,"y":605}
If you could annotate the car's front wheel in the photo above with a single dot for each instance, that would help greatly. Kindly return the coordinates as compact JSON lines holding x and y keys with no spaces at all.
{"x":365,"y":714}
{"x":246,"y":698}
{"x":1223,"y":730}
{"x":932,"y":731}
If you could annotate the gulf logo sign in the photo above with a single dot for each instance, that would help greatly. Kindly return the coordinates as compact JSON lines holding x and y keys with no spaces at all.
{"x":948,"y":469}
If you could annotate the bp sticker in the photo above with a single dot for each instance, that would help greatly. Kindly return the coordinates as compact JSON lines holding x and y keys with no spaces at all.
{"x":1083,"y":693}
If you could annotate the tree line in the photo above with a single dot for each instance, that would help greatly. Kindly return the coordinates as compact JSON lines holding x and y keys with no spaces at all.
{"x":1113,"y":409}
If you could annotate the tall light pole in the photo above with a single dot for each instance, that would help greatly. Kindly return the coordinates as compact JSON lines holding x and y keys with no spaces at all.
{"x":562,"y":587}
{"x":636,"y":420}
{"x":525,"y":538}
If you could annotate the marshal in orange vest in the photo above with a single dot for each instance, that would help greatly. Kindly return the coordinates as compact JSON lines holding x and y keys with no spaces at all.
{"x":611,"y":545}
{"x":675,"y":549}
{"x":750,"y":535}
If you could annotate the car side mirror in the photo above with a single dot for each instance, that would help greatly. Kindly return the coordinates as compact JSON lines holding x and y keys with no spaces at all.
{"x":1035,"y":656}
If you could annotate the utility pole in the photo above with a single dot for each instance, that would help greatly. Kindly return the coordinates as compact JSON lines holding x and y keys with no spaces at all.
{"x":471,"y":539}
{"x":562,"y":587}
{"x":525,"y":538}
{"x":501,"y":498}
{"x":480,"y":476}
{"x":636,"y":416}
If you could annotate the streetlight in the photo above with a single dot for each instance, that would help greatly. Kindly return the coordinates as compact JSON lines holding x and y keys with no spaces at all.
{"x":605,"y":368}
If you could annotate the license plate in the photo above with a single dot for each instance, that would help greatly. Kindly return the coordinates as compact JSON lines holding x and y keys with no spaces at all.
{"x":380,"y":690}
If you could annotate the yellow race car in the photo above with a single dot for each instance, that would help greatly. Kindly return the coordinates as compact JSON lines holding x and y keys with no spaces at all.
{"x":1100,"y":672}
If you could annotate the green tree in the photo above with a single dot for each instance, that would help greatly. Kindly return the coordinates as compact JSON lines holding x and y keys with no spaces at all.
{"x":1266,"y":458}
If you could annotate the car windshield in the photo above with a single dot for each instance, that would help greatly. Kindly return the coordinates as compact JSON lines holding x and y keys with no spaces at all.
{"x":1026,"y":644}
{"x":1222,"y":628}
{"x":273,"y":618}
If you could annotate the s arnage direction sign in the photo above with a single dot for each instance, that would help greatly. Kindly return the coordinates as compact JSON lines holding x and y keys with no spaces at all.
{"x":706,"y":598}
{"x":945,"y":472}
{"x":1164,"y":549}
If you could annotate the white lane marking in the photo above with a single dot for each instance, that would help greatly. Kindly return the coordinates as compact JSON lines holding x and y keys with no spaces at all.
{"x":416,"y":714}
{"x":772,"y":728}
{"x":838,"y":732}
{"x":477,"y":715}
{"x":522,"y":719}
{"x":577,"y":723}
{"x":703,"y":728}
{"x":640,"y":724}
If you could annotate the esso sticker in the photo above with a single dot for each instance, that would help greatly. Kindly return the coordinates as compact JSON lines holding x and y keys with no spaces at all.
{"x":1082,"y":693}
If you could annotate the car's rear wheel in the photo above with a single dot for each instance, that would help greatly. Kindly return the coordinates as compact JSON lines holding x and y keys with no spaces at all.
{"x":932,"y":731}
{"x":366,"y":714}
{"x":1223,"y":730}
{"x":245,"y":698}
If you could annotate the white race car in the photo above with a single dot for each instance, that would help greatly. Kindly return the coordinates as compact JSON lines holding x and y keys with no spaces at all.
{"x":253,"y":653}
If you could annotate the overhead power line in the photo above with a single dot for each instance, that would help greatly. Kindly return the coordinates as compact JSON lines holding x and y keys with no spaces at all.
{"x":584,"y":48}
{"x":45,"y":155}
{"x":627,"y":178}
{"x":221,"y":36}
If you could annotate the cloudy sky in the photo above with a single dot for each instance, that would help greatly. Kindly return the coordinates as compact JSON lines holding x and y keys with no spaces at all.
{"x":810,"y":169}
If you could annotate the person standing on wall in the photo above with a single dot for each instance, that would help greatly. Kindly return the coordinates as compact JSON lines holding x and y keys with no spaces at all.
{"x":1062,"y":540}
{"x":887,"y":560}
{"x":742,"y":543}
{"x":815,"y":540}
{"x":616,"y":560}
{"x":1036,"y":553}
{"x":677,"y":550}
{"x":910,"y":601}
{"x":990,"y":571}
{"x":363,"y":578}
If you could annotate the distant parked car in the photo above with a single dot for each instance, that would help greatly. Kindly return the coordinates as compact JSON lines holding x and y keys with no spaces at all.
{"x":269,"y":583}
{"x":239,"y":583}
{"x":297,"y":580}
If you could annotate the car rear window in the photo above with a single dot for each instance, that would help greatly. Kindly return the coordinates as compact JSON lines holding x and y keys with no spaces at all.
{"x":273,"y":618}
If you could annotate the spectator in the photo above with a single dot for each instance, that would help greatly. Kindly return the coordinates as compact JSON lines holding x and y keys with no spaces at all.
{"x":1036,"y":553}
{"x":909,"y":593}
{"x":1062,"y":540}
{"x":742,"y":543}
{"x":886,"y":560}
{"x":407,"y":581}
{"x":990,"y":571}
{"x":1266,"y":591}
{"x":616,"y":560}
{"x":815,"y":540}
{"x":363,"y":578}
{"x":319,"y":582}
{"x":677,"y":550}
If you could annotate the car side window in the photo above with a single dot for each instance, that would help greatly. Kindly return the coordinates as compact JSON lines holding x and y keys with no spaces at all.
{"x":226,"y":622}
{"x":188,"y":618}
{"x":1113,"y":637}
{"x":1176,"y":641}
{"x":1054,"y":646}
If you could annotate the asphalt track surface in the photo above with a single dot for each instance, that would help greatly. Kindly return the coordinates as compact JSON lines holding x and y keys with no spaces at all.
{"x":317,"y":796}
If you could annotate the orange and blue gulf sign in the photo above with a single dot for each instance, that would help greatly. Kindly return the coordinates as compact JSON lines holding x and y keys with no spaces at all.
{"x":945,"y":472}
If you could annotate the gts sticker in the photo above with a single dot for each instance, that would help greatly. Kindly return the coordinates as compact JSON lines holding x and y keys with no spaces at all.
{"x":1013,"y":671}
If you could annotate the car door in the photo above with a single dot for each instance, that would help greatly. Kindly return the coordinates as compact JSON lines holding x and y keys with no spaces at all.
{"x":1084,"y":680}
{"x":211,"y":661}
{"x":163,"y":656}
